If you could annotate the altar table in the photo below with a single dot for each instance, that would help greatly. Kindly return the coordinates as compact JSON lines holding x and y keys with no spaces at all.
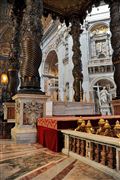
{"x":49,"y":134}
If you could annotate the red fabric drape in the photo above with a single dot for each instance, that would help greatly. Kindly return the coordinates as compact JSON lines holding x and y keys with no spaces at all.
{"x":50,"y":138}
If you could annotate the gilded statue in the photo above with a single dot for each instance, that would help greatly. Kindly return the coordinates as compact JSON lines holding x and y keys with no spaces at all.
{"x":79,"y":122}
{"x":100,"y":130}
{"x":107,"y":129}
{"x":89,"y":128}
{"x":81,"y":126}
{"x":117,"y":129}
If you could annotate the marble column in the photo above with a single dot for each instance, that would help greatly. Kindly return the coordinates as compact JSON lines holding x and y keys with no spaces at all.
{"x":115,"y":41}
{"x":77,"y":69}
{"x":30,"y":43}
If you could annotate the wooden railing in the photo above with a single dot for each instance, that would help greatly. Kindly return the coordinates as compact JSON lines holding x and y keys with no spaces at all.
{"x":99,"y":151}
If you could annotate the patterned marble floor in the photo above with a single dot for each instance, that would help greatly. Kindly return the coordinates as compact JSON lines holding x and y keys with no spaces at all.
{"x":26,"y":162}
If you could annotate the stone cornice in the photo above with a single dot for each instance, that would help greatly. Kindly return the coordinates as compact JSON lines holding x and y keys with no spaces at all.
{"x":53,"y":27}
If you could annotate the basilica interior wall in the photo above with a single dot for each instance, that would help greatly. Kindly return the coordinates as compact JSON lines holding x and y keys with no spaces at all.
{"x":61,"y":41}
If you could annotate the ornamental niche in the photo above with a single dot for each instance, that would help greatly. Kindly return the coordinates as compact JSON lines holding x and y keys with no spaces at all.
{"x":100,"y":41}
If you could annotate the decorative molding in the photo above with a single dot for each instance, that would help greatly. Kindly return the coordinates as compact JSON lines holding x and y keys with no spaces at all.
{"x":100,"y":69}
{"x":17,"y":107}
{"x":17,"y":113}
{"x":94,"y":80}
{"x":66,"y":61}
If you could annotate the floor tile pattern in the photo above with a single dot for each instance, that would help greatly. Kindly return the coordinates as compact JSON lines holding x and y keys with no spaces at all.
{"x":32,"y":161}
{"x":18,"y":160}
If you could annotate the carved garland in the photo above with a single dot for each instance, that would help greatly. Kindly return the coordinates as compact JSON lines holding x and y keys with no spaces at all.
{"x":31,"y":111}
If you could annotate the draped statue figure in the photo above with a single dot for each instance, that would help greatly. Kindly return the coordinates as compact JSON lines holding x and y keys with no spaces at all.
{"x":104,"y":101}
{"x":104,"y":97}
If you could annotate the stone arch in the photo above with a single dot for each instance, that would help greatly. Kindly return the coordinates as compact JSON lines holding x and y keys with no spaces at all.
{"x":97,"y":85}
{"x":103,"y":82}
{"x":96,"y":24}
{"x":50,"y":64}
{"x":94,"y":81}
{"x":50,"y":74}
{"x":45,"y":57}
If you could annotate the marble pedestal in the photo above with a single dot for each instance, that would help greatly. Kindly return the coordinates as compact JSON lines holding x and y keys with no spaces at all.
{"x":105,"y":110}
{"x":28,"y":107}
{"x":116,"y":107}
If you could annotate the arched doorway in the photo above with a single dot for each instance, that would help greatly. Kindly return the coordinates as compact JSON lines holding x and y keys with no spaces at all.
{"x":51,"y":75}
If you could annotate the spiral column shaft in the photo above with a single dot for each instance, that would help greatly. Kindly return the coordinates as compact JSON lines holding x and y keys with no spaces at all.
{"x":77,"y":69}
{"x":30,"y":43}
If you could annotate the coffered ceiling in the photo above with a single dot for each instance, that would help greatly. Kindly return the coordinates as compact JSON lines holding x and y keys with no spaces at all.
{"x":65,"y":10}
{"x":68,"y":7}
{"x":64,"y":7}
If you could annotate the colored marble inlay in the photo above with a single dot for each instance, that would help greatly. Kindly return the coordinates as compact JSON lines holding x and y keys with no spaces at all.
{"x":34,"y":162}
{"x":23,"y":162}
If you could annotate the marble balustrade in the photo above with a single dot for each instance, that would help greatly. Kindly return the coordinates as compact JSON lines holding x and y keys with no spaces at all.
{"x":99,"y":151}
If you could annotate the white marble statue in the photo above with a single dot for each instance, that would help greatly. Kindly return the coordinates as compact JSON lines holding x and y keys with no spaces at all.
{"x":104,"y":100}
{"x":104,"y":97}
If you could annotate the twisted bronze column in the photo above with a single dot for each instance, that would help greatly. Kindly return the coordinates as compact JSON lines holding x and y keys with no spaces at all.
{"x":30,"y":43}
{"x":77,"y":70}
{"x":13,"y":62}
{"x":115,"y":41}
